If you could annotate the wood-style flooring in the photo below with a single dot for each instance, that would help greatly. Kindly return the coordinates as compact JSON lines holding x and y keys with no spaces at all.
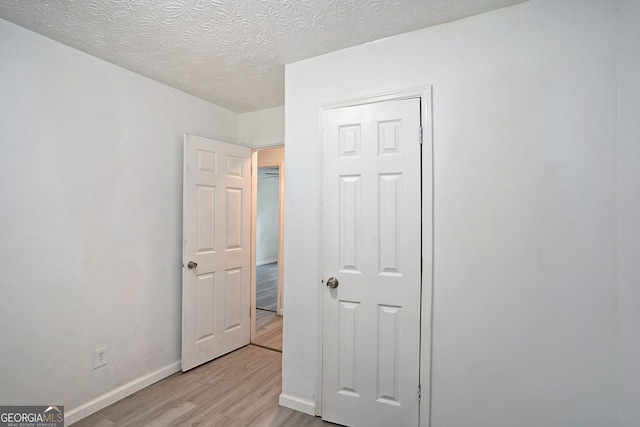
{"x":267,"y":286}
{"x":268,"y":330}
{"x":268,"y":325}
{"x":239,"y":389}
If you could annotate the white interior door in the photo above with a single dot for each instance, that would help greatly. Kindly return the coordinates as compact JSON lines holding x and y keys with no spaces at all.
{"x":216,"y":251}
{"x":372,"y":247}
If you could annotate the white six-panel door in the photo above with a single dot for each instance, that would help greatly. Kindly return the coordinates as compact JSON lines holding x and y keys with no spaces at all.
{"x":216,"y":231}
{"x":372,"y":246}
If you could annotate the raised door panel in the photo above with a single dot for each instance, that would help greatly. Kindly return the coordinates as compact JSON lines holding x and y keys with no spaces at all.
{"x":205,"y":219}
{"x":350,"y":221}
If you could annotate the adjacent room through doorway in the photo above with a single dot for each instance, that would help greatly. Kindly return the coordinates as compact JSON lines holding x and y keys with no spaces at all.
{"x":269,"y":187}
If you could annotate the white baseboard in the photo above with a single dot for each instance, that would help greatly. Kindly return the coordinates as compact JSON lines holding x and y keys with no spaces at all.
{"x":101,"y":402}
{"x":298,"y":404}
{"x":266,"y":261}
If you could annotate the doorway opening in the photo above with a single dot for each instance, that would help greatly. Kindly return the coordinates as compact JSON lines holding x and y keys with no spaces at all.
{"x":268,"y":202}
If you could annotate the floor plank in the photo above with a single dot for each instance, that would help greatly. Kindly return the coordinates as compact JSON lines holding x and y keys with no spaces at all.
{"x":267,"y":286}
{"x":268,"y":330}
{"x":239,"y":389}
{"x":268,"y":324}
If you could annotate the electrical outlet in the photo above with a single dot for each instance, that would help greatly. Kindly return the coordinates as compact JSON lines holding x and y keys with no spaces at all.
{"x":99,"y":357}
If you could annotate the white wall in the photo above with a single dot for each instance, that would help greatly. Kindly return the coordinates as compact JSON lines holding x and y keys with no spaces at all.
{"x":629,"y":214}
{"x":262,"y":128}
{"x":90,"y":219}
{"x":525,"y":124}
{"x":267,"y":216}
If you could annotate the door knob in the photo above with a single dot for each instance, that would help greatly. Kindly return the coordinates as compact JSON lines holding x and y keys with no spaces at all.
{"x":332,"y":283}
{"x":192,"y":264}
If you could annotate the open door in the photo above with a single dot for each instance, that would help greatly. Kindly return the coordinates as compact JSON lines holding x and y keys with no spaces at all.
{"x":216,"y":249}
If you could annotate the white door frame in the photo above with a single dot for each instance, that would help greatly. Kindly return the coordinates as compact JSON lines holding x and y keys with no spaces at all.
{"x":425,"y":95}
{"x":254,"y":211}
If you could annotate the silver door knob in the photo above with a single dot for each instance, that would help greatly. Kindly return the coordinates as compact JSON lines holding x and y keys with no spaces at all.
{"x":192,"y":264}
{"x":332,"y":283}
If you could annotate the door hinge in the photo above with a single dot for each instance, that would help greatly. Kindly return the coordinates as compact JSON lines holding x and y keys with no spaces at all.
{"x":420,"y":133}
{"x":419,"y":392}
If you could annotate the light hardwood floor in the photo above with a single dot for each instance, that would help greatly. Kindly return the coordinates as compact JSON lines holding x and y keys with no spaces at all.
{"x":268,"y":325}
{"x":239,"y":389}
{"x":267,"y":286}
{"x":268,"y":330}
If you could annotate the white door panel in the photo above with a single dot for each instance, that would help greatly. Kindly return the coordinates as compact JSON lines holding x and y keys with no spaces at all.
{"x":372,"y":246}
{"x":216,"y":221}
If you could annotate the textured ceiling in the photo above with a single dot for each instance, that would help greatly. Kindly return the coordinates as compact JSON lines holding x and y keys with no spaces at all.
{"x":229,"y":52}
